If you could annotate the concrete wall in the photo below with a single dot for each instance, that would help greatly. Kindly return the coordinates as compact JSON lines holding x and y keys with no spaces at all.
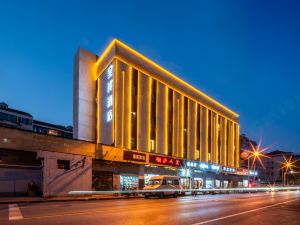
{"x":14,"y":181}
{"x":29,"y":141}
{"x":58,"y":182}
{"x":84,"y":92}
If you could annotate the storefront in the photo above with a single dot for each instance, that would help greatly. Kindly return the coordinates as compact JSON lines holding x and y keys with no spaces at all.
{"x":129,"y":182}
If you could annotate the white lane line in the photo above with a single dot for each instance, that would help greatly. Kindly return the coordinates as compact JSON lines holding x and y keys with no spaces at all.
{"x":245,"y":212}
{"x":14,"y":212}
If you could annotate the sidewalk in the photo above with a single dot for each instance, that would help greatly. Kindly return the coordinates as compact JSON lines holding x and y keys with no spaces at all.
{"x":17,"y":200}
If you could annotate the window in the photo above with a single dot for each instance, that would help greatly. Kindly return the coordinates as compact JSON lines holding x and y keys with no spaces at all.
{"x":63,"y":164}
{"x":209,"y":133}
{"x":152,"y":145}
{"x":170,"y":121}
{"x":185,"y":117}
{"x":219,"y":139}
{"x":134,"y":106}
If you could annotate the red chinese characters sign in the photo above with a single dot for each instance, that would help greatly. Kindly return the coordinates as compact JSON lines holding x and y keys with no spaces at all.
{"x":163,"y":160}
{"x":134,"y":156}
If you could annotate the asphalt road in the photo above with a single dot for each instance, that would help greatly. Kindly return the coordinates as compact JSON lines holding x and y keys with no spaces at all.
{"x":246,"y":209}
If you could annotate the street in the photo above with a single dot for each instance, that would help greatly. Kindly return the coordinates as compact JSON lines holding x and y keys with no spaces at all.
{"x":255,"y":208}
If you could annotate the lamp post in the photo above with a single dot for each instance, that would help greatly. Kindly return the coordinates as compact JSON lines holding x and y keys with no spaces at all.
{"x":254,"y":154}
{"x":286,"y":165}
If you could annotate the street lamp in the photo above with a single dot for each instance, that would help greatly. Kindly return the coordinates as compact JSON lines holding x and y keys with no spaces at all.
{"x":288,"y":165}
{"x":256,"y":153}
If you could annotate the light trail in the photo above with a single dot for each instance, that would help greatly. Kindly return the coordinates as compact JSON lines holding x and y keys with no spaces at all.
{"x":258,"y":189}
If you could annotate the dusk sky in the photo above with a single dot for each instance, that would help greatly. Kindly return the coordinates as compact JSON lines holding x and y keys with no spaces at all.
{"x":245,"y":54}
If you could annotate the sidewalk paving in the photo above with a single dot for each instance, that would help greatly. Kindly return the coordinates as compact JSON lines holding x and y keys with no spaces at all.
{"x":16,"y":200}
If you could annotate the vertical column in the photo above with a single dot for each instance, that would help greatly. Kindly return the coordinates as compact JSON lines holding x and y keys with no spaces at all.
{"x":107,"y":105}
{"x":203,"y":133}
{"x":223,"y":141}
{"x":84,"y":87}
{"x":161,"y":121}
{"x":181,"y":127}
{"x":214,"y":153}
{"x":230,"y":144}
{"x":127,"y":108}
{"x":191,"y":148}
{"x":143,"y":118}
{"x":119,"y":104}
{"x":176,"y":123}
{"x":237,"y":145}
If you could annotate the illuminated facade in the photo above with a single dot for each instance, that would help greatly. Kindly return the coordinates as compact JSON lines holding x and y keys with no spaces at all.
{"x":127,"y":103}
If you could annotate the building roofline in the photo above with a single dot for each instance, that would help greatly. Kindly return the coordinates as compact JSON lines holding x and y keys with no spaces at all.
{"x":112,"y":49}
{"x":16,"y":111}
{"x":59,"y":127}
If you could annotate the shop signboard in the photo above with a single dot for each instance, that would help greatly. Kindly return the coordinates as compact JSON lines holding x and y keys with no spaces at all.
{"x":166,"y":161}
{"x":228,"y":169}
{"x":134,"y":156}
{"x":241,"y":171}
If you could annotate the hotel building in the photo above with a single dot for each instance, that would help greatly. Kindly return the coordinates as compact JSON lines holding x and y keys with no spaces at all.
{"x":146,"y":121}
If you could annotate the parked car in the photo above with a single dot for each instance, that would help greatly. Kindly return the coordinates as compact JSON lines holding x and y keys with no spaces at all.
{"x":160,"y":186}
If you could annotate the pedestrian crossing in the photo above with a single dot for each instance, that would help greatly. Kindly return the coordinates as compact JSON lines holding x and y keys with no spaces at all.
{"x":14,"y":212}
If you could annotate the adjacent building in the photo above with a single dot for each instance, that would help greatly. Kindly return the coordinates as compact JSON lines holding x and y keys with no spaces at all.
{"x":52,"y":129}
{"x":15,"y":118}
{"x":22,"y":120}
{"x":274,"y":170}
{"x":147,"y":121}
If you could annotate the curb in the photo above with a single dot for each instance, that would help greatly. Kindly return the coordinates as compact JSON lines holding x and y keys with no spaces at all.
{"x":45,"y":200}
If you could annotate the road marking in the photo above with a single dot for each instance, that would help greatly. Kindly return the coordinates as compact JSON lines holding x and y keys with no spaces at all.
{"x":245,"y":212}
{"x":14,"y":212}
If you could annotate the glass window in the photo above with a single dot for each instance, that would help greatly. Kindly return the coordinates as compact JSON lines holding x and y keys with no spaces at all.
{"x":63,"y":164}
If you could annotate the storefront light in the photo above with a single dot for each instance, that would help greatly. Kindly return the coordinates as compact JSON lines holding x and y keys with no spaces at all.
{"x":191,"y":164}
{"x":215,"y":167}
{"x":185,"y":173}
{"x":203,"y":166}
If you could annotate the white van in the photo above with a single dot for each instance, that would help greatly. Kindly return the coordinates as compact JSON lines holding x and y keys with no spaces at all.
{"x":161,"y":186}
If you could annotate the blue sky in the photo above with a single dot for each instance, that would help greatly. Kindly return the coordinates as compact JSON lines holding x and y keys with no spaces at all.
{"x":245,"y":54}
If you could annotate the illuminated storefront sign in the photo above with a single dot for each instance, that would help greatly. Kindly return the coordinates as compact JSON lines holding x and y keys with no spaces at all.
{"x":253,"y":173}
{"x":228,"y":169}
{"x":134,"y":156}
{"x":167,"y":161}
{"x":215,"y":167}
{"x":241,"y":171}
{"x":203,"y":166}
{"x":109,"y":94}
{"x":185,"y":173}
{"x":191,"y":164}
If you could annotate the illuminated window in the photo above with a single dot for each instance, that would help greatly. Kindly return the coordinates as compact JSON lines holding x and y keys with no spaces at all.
{"x":185,"y":117}
{"x":219,"y":139}
{"x":153,"y":110}
{"x":209,"y":133}
{"x":170,"y":121}
{"x":152,"y":145}
{"x":197,"y":154}
{"x":198,"y":130}
{"x":53,"y":132}
{"x":134,"y":88}
{"x":227,"y":143}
